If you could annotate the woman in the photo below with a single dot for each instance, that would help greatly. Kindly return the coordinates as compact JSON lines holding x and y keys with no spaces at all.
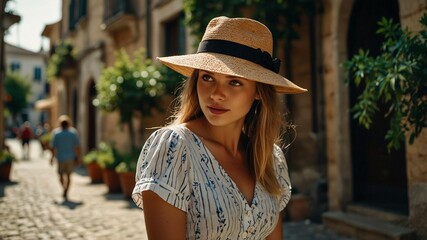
{"x":216,"y":172}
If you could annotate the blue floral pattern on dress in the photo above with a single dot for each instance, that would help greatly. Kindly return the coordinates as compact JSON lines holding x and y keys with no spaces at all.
{"x":176,"y":165}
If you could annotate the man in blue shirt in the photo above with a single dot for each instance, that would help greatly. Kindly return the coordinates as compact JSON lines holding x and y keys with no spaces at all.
{"x":66,"y":149}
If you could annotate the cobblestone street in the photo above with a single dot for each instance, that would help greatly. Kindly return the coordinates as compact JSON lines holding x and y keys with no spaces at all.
{"x":31,"y":207}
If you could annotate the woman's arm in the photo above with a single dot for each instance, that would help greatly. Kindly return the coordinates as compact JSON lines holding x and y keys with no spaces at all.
{"x":162,"y":220}
{"x":277,"y":232}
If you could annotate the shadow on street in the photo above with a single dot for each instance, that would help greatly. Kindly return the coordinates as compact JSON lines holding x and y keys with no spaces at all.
{"x":69,"y":204}
{"x":5,"y":184}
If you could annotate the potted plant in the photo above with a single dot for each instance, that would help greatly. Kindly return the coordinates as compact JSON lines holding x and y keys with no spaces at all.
{"x":93,"y":169}
{"x":62,"y":62}
{"x":6,"y":159}
{"x":126,"y":171}
{"x":298,"y":208}
{"x":108,"y":163}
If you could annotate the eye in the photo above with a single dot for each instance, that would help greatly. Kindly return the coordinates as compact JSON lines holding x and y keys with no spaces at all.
{"x":235,"y":82}
{"x":207,"y":78}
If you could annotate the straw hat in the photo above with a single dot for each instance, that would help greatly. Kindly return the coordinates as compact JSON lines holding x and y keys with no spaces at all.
{"x":64,"y":118}
{"x":238,"y":47}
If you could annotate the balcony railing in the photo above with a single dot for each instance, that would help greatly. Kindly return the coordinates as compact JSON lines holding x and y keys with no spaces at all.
{"x":115,"y":8}
{"x":120,"y":21}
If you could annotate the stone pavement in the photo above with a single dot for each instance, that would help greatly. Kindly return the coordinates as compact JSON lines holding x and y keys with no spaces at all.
{"x":31,"y":207}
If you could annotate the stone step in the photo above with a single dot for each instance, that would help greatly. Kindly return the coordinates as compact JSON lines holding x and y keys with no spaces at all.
{"x":393,"y":218}
{"x":362,"y":227}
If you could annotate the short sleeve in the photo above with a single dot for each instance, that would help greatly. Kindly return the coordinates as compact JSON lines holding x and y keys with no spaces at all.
{"x":76,"y":137}
{"x":283,"y":177}
{"x":162,"y":168}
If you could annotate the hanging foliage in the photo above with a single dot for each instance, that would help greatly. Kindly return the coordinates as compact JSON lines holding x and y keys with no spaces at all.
{"x":397,"y":78}
{"x":280,"y":16}
{"x":62,"y":58}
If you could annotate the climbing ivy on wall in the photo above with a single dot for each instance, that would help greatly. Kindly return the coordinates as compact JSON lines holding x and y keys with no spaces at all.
{"x":280,"y":16}
{"x":62,"y":58}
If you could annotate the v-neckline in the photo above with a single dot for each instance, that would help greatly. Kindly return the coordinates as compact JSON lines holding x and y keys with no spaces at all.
{"x":216,"y":162}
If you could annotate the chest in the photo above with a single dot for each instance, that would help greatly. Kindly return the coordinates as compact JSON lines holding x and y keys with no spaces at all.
{"x":218,"y":205}
{"x":236,"y":169}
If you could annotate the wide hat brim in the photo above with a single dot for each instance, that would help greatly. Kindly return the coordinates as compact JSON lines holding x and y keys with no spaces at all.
{"x":229,"y":65}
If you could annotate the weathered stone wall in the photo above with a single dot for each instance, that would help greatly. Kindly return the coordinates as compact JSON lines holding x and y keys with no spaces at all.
{"x":335,"y":25}
{"x":93,"y":58}
{"x":334,"y":37}
{"x":416,"y":154}
{"x":303,"y":160}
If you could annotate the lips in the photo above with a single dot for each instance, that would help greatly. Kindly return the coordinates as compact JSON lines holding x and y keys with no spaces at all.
{"x":217,"y":109}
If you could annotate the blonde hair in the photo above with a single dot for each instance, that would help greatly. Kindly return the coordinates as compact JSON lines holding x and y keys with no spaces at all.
{"x":262,"y":127}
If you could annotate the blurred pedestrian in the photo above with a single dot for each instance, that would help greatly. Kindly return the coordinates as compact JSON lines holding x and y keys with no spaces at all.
{"x":66,"y":149}
{"x":41,"y":131}
{"x":26,"y":134}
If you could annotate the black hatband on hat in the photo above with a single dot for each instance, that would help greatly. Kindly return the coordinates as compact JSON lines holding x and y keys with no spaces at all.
{"x":240,"y":51}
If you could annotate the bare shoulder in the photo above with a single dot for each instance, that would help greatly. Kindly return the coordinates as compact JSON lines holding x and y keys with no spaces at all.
{"x":196,"y":126}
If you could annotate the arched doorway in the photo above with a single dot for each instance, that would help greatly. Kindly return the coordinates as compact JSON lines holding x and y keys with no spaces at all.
{"x":379,"y":177}
{"x":91,"y":117}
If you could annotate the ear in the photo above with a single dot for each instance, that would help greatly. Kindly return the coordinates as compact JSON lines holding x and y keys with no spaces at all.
{"x":257,"y":97}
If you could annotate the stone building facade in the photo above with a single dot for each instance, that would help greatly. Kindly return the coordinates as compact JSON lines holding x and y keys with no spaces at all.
{"x":31,"y":66}
{"x":334,"y":164}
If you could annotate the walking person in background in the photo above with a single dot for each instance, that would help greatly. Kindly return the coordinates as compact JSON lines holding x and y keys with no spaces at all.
{"x":39,"y":133}
{"x":42,"y":135}
{"x":66,"y":148}
{"x":218,"y":171}
{"x":26,"y":134}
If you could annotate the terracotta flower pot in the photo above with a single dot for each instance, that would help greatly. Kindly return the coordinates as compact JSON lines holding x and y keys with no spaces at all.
{"x":111,"y":179}
{"x":127,"y":183}
{"x":298,"y":207}
{"x":95,"y":172}
{"x":5,"y":170}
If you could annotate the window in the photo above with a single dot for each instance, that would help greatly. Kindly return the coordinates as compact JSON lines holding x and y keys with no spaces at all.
{"x":77,"y":10}
{"x":15,"y":67}
{"x":46,"y":87}
{"x":114,"y":7}
{"x":37,"y":74}
{"x":175,"y":36}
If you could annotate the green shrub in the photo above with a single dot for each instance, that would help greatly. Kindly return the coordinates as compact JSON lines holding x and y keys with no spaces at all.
{"x":90,"y":157}
{"x":6,"y":157}
{"x":105,"y":157}
{"x":127,"y":161}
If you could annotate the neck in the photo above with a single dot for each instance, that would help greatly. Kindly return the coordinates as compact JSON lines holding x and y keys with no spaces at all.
{"x":226,"y":136}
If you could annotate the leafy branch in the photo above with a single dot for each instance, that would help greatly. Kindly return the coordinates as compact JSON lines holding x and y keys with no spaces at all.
{"x":396,"y":77}
{"x":274,"y":13}
{"x":131,"y":86}
{"x":63,"y":57}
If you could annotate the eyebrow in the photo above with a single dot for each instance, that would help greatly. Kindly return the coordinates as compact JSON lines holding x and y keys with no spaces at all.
{"x":227,"y":76}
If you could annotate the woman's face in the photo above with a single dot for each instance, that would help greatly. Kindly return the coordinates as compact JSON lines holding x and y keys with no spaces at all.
{"x":225,"y":100}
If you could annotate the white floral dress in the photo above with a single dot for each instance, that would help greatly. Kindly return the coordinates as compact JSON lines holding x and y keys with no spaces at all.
{"x":177,"y":166}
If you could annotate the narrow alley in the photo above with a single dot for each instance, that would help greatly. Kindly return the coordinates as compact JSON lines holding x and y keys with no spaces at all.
{"x":31,"y":206}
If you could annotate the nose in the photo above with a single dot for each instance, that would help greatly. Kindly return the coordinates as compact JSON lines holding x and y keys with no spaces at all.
{"x":217,"y":93}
